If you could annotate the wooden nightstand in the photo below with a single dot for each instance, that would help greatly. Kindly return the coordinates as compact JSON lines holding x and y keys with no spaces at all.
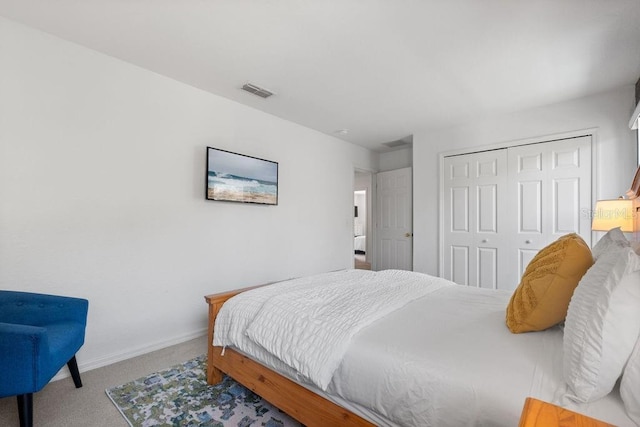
{"x":537,"y":413}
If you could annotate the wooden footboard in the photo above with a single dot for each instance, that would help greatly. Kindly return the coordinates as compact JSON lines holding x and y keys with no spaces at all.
{"x":297,"y":401}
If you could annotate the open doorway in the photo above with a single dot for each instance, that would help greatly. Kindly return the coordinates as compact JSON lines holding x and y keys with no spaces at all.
{"x":360,"y":230}
{"x":362,"y":239}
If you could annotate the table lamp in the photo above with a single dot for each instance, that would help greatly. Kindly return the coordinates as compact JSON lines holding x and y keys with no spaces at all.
{"x":614,"y":213}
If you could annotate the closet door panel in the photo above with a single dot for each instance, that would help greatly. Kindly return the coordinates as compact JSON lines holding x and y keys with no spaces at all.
{"x":524,"y":258}
{"x":474,"y":202}
{"x":459,"y":210}
{"x":566,"y":198}
{"x":459,"y":272}
{"x":552,"y":183}
{"x":571,"y":189}
{"x":529,"y":206}
{"x":487,"y":268}
{"x":487,"y":208}
{"x":500,"y":207}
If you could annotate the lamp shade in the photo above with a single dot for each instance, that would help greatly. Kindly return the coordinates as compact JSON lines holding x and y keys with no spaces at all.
{"x":613,"y":213}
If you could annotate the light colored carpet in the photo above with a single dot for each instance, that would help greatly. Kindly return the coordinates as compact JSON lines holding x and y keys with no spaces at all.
{"x":60,"y":404}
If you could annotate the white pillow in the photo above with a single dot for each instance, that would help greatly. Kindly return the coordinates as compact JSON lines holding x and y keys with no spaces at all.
{"x":613,"y":240}
{"x":602,"y":325}
{"x":630,"y":384}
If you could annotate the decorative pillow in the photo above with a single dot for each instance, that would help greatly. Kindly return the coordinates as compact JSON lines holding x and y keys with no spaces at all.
{"x":542,"y":298}
{"x":630,"y":384}
{"x":602,"y":326}
{"x":614,"y":239}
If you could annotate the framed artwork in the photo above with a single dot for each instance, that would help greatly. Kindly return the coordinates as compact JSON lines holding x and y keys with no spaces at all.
{"x":235,"y":177}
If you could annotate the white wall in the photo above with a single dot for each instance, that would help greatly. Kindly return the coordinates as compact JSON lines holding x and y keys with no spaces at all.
{"x":397,"y":159}
{"x":102,"y":175}
{"x":615,"y":153}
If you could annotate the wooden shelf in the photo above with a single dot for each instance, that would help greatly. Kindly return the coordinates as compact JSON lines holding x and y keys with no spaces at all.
{"x":537,"y":413}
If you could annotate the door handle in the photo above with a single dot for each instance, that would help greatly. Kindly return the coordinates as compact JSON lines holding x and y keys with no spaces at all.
{"x":527,"y":242}
{"x":408,"y":234}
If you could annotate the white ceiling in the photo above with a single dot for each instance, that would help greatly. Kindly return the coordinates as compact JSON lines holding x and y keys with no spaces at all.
{"x":383,"y":69}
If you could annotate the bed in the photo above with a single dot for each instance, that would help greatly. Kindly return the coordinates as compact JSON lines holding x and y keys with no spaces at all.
{"x":360,"y":244}
{"x":419,"y":351}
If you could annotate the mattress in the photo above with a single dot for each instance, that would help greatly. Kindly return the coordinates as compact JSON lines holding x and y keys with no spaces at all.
{"x":447,"y":359}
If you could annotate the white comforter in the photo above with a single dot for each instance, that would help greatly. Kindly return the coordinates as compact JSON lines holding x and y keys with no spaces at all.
{"x":446,"y":359}
{"x":309,"y":324}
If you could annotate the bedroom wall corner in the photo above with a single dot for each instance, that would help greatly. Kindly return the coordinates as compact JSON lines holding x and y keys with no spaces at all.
{"x":607,"y":112}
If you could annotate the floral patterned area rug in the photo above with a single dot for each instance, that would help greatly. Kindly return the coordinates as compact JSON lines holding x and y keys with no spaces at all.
{"x":180,"y":396}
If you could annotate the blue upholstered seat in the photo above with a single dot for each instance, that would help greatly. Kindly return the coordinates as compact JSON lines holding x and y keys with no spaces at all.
{"x":39,"y":334}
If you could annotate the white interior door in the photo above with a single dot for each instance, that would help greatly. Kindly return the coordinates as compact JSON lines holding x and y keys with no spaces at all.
{"x":394,"y":220}
{"x":475,"y":244}
{"x":500,"y":207}
{"x":551,"y":185}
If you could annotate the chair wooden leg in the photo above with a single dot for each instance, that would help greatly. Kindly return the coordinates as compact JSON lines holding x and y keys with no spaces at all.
{"x":25,"y":409}
{"x":75,"y":373}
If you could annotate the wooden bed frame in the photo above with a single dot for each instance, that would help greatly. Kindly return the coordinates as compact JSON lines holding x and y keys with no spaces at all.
{"x":297,"y":401}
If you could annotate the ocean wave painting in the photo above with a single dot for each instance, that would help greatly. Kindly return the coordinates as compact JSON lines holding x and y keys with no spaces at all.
{"x":240,"y":178}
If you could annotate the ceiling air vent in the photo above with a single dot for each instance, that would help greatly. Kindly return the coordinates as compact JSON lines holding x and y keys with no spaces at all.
{"x":395,"y":144}
{"x":399,"y":143}
{"x":257,"y":90}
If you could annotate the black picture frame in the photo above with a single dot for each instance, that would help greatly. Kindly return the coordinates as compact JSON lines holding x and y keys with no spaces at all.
{"x":235,"y":177}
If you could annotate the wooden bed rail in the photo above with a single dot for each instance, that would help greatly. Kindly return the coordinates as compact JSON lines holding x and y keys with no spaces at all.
{"x":297,"y":401}
{"x":215,"y":301}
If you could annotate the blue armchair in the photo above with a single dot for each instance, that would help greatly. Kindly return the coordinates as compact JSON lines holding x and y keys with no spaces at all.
{"x":39,"y":334}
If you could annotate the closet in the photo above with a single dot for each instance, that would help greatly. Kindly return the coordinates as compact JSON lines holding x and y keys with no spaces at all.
{"x":500,"y":207}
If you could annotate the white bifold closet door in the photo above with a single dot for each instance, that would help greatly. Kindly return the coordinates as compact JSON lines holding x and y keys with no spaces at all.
{"x":502,"y":206}
{"x":475,"y":210}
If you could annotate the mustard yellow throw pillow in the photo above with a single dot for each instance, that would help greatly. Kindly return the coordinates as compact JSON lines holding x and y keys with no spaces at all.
{"x":542,"y":297}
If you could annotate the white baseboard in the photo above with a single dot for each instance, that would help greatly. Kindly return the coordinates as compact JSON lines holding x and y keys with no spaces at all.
{"x":138,"y":351}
